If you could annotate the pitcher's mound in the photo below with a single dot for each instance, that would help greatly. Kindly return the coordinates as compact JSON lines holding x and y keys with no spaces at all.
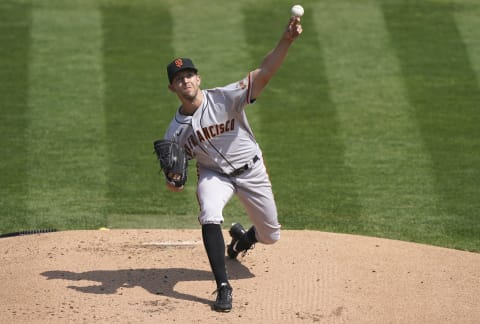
{"x":163,"y":276}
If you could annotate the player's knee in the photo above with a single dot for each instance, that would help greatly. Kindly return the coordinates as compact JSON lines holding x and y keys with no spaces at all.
{"x":210,"y":214}
{"x":210,"y":218}
{"x":271,"y":237}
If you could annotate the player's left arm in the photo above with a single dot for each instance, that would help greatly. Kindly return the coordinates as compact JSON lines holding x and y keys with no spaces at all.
{"x":274,"y":59}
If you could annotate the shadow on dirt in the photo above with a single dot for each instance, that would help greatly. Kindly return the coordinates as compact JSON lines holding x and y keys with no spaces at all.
{"x":156,"y":281}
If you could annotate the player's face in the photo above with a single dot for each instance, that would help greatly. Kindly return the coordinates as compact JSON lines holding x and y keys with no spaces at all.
{"x":186,"y":84}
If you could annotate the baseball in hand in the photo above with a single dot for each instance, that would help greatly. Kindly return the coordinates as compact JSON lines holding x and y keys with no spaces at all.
{"x":297,"y":11}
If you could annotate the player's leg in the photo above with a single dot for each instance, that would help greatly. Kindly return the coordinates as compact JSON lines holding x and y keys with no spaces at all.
{"x":215,"y":248}
{"x":255,"y":192}
{"x":213,"y":192}
{"x":262,"y":212}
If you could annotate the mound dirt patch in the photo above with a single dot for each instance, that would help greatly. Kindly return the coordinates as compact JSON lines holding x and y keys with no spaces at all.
{"x":163,"y":276}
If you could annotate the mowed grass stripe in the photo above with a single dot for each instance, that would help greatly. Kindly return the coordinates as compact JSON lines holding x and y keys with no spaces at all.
{"x":66,"y":131}
{"x":14,"y":56}
{"x":383,"y":145}
{"x":137,"y":45}
{"x":444,"y":90}
{"x":214,"y":38}
{"x":300,"y":128}
{"x":468,"y":24}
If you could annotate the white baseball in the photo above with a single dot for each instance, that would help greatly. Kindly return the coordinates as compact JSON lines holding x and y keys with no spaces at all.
{"x":297,"y":11}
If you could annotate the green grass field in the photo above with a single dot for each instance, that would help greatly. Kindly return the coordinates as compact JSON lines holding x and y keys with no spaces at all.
{"x":371,"y":127}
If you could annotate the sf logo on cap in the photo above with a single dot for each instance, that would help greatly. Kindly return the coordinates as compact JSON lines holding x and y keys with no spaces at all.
{"x":178,"y":63}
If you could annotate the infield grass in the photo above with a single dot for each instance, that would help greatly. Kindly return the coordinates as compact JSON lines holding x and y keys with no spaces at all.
{"x":370,"y":127}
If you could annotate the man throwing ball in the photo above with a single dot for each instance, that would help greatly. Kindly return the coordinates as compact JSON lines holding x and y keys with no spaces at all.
{"x":212,"y":127}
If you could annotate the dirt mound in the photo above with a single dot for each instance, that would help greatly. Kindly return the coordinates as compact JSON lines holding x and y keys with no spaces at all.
{"x":163,"y":276}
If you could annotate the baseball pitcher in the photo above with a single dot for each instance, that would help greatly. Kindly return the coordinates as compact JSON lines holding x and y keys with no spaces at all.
{"x":211,"y":126}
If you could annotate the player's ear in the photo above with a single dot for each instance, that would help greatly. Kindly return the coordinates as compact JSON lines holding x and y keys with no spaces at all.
{"x":170,"y":87}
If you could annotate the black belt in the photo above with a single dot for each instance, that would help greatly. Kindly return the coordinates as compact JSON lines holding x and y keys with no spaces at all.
{"x":239,"y":171}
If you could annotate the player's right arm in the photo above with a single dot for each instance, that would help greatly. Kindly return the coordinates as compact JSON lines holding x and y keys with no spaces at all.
{"x":274,"y":59}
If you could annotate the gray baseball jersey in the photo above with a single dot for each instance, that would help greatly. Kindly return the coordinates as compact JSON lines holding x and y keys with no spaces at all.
{"x":218,"y":134}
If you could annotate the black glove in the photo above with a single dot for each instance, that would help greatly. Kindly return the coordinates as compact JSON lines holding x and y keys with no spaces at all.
{"x":173,"y":161}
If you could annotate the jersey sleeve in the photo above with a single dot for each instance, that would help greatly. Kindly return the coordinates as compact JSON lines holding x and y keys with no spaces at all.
{"x":239,"y":94}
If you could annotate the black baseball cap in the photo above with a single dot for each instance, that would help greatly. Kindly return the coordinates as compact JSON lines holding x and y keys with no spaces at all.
{"x":179,"y":64}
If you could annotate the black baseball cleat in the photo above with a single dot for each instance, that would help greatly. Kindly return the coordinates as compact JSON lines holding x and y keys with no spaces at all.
{"x":223,"y":303}
{"x":236,"y":232}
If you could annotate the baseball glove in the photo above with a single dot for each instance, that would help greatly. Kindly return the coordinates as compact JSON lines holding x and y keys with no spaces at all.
{"x":173,"y":161}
